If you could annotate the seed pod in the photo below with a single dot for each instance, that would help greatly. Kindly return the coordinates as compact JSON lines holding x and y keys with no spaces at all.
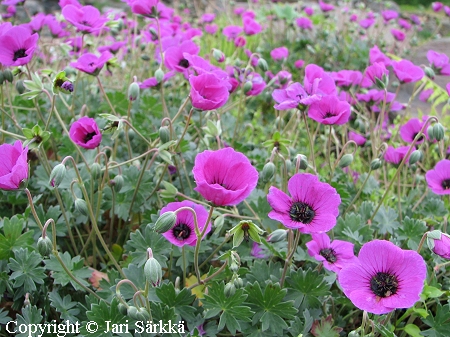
{"x":268,"y":172}
{"x":44,"y":246}
{"x":346,"y":160}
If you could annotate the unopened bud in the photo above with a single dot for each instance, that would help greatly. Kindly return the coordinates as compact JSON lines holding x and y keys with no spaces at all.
{"x":20,"y":87}
{"x":132,"y":312}
{"x":268,"y":172}
{"x":230,"y":289}
{"x":67,"y":87}
{"x":262,"y":64}
{"x":122,"y":309}
{"x":346,"y":160}
{"x":430,"y":132}
{"x":8,"y":75}
{"x":164,"y":134}
{"x":288,"y":165}
{"x":165,"y":222}
{"x":145,"y":57}
{"x":415,"y":157}
{"x":81,"y":206}
{"x":248,"y":86}
{"x":152,"y":270}
{"x":438,"y":131}
{"x":142,"y":314}
{"x":2,"y":78}
{"x":303,"y":165}
{"x":429,"y":72}
{"x":238,"y":283}
{"x":133,"y":91}
{"x":218,"y":55}
{"x":277,"y":235}
{"x":159,"y":75}
{"x":376,"y":164}
{"x":118,"y":182}
{"x":96,"y":171}
{"x":57,"y":175}
{"x":44,"y":246}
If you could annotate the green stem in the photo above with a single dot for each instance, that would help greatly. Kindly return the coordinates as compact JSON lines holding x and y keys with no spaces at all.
{"x":33,"y":210}
{"x":199,"y":241}
{"x":289,"y":257}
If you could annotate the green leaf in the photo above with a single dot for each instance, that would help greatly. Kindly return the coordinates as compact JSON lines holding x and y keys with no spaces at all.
{"x":13,"y":237}
{"x":431,"y":292}
{"x":386,"y":220}
{"x":261,"y":271}
{"x":354,"y":228}
{"x":4,"y":318}
{"x":26,"y":273}
{"x":269,"y":307}
{"x":412,"y":330}
{"x":384,"y":331}
{"x":30,"y":316}
{"x":181,"y":302}
{"x":231,"y":309}
{"x":411,"y":230}
{"x":433,"y":207}
{"x":325,"y":328}
{"x":74,"y":265}
{"x":439,"y":323}
{"x":64,"y":306}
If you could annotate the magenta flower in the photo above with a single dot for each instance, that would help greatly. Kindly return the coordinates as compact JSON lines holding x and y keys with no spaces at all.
{"x":211,"y":28}
{"x":330,"y":111}
{"x":325,"y":7}
{"x":258,"y":252}
{"x":348,"y":78}
{"x":407,"y":72}
{"x":447,"y":10}
{"x":91,"y":64}
{"x":334,"y":255}
{"x":415,"y":19}
{"x":404,"y":24}
{"x":385,"y":278}
{"x":367,"y":23}
{"x":376,"y":55}
{"x":183,"y":232}
{"x":312,"y":207}
{"x":208,"y":17}
{"x":208,"y":91}
{"x":292,"y":97}
{"x":258,"y":84}
{"x":299,"y":64}
{"x":439,"y":243}
{"x":309,"y":11}
{"x":240,"y":41}
{"x":87,"y":18}
{"x":438,"y":179}
{"x":12,"y":2}
{"x":64,"y":3}
{"x":148,"y":8}
{"x":437,"y":60}
{"x":437,"y":6}
{"x":389,"y":15}
{"x":174,"y":58}
{"x":360,"y":140}
{"x":353,"y":18}
{"x":425,"y":94}
{"x":14,"y":166}
{"x":410,"y":129}
{"x":447,"y":87}
{"x":317,"y":81}
{"x":251,"y":27}
{"x":279,"y":54}
{"x":377,"y":73}
{"x":396,"y":155}
{"x":304,"y":23}
{"x":231,"y":32}
{"x":398,"y":34}
{"x":224,"y":177}
{"x":17,"y":46}
{"x":85,"y":133}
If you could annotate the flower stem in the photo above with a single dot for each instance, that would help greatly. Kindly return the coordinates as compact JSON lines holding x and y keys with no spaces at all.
{"x":199,"y":241}
{"x":289,"y":257}
{"x":311,"y":145}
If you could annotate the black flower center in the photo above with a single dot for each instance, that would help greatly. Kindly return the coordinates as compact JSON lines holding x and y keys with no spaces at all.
{"x":18,"y":54}
{"x":184,"y":63}
{"x":329,"y":254}
{"x":328,"y":115}
{"x":384,"y":284}
{"x":419,"y":139}
{"x":446,"y":184}
{"x":181,"y":231}
{"x":301,"y":212}
{"x":89,"y":136}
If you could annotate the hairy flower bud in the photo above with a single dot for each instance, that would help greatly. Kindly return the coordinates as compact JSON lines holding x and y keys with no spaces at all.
{"x":439,"y":243}
{"x":303,"y":165}
{"x":429,"y":72}
{"x":438,"y":131}
{"x":57,"y":175}
{"x":159,"y":75}
{"x":118,"y":182}
{"x":20,"y":87}
{"x":81,"y":206}
{"x":415,"y":157}
{"x":165,"y":222}
{"x":218,"y":55}
{"x":2,"y":78}
{"x":122,"y":309}
{"x":96,"y":171}
{"x":262,"y":64}
{"x":268,"y":172}
{"x":248,"y":86}
{"x":376,"y":164}
{"x":346,"y":160}
{"x":44,"y":246}
{"x":277,"y":235}
{"x":152,"y":270}
{"x":230,"y":289}
{"x":132,"y":312}
{"x":133,"y":91}
{"x":164,"y":134}
{"x":8,"y":75}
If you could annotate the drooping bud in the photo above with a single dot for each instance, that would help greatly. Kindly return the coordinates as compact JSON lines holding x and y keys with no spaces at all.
{"x":81,"y":206}
{"x":238,"y":282}
{"x":277,"y":235}
{"x":159,"y":75}
{"x":2,"y":78}
{"x":96,"y":171}
{"x":248,"y":86}
{"x":376,"y":164}
{"x":142,"y":314}
{"x":57,"y":175}
{"x":288,"y":165}
{"x":118,"y":182}
{"x":133,"y":91}
{"x":303,"y":165}
{"x":122,"y":309}
{"x":230,"y":289}
{"x":132,"y":312}
{"x":218,"y":55}
{"x":268,"y":172}
{"x":438,"y":131}
{"x":415,"y":157}
{"x":429,"y":72}
{"x":346,"y":160}
{"x":20,"y":87}
{"x":8,"y":75}
{"x":44,"y":246}
{"x":164,"y":134}
{"x":439,"y":243}
{"x":262,"y":64}
{"x":152,"y":269}
{"x":430,"y":132}
{"x":165,"y":222}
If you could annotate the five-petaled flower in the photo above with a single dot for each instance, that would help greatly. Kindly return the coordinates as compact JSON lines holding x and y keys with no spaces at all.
{"x":438,"y":179}
{"x":13,"y":165}
{"x":85,"y":133}
{"x":17,"y":46}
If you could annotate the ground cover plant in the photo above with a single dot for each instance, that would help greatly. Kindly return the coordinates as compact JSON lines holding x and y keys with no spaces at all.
{"x":248,"y":170}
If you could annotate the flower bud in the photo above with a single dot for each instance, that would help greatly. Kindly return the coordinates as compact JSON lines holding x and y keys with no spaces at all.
{"x":439,"y":243}
{"x":268,"y":172}
{"x":413,"y":167}
{"x":262,"y":64}
{"x":118,"y":182}
{"x":96,"y":171}
{"x":438,"y":131}
{"x":238,"y":283}
{"x":165,"y":222}
{"x":132,"y":312}
{"x":159,"y":75}
{"x":303,"y":165}
{"x":44,"y":246}
{"x":67,"y":87}
{"x":57,"y":175}
{"x":376,"y":164}
{"x":346,"y":160}
{"x":8,"y":75}
{"x":164,"y":134}
{"x":142,"y":314}
{"x":122,"y":309}
{"x":415,"y":157}
{"x":248,"y":86}
{"x":230,"y":289}
{"x":218,"y":55}
{"x":81,"y":206}
{"x":20,"y":87}
{"x":145,"y":57}
{"x":2,"y":78}
{"x":429,"y":72}
{"x":152,"y":270}
{"x":288,"y":165}
{"x":277,"y":235}
{"x":133,"y":91}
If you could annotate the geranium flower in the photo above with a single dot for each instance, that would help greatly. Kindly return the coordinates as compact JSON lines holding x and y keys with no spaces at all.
{"x":304,"y":23}
{"x":85,"y":133}
{"x":87,"y":18}
{"x":279,"y":54}
{"x":318,"y":82}
{"x":377,"y":72}
{"x":183,"y":232}
{"x":231,"y":32}
{"x":389,"y":15}
{"x":208,"y":17}
{"x":174,"y":58}
{"x":251,"y":27}
{"x":367,"y":23}
{"x":91,"y":64}
{"x":385,"y":278}
{"x":347,"y":78}
{"x":299,"y":64}
{"x":398,"y":34}
{"x":13,"y":166}
{"x":211,"y":28}
{"x":334,"y":255}
{"x":404,"y":24}
{"x":438,"y":179}
{"x":312,"y":207}
{"x":437,"y":6}
{"x":360,"y":140}
{"x":376,"y":55}
{"x":330,"y":111}
{"x":309,"y":11}
{"x":325,"y":7}
{"x":439,"y":243}
{"x":425,"y":94}
{"x":407,"y":72}
{"x":208,"y":91}
{"x":17,"y":46}
{"x":396,"y":155}
{"x":224,"y":177}
{"x":410,"y":129}
{"x":437,"y":60}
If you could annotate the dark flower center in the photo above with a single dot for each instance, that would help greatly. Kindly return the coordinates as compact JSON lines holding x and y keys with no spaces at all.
{"x":184,"y":63}
{"x":85,"y":23}
{"x":18,"y":54}
{"x":446,"y":184}
{"x":89,"y":136}
{"x":419,"y":139}
{"x":329,"y":114}
{"x":301,"y":212}
{"x":329,"y":254}
{"x":181,"y":231}
{"x":384,"y":284}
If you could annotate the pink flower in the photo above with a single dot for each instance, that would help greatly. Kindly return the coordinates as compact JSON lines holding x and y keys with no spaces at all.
{"x":183,"y":232}
{"x":87,"y":18}
{"x":316,"y":81}
{"x":439,"y":243}
{"x":231,"y":32}
{"x":299,"y":64}
{"x":389,"y":15}
{"x":437,"y":60}
{"x":148,"y":8}
{"x":353,"y":18}
{"x":407,"y":72}
{"x":425,"y":95}
{"x":304,"y":23}
{"x":85,"y":133}
{"x":334,"y":255}
{"x":404,"y":24}
{"x":251,"y":27}
{"x":64,"y":3}
{"x":385,"y":278}
{"x":208,"y":17}
{"x":396,"y":155}
{"x":398,"y":34}
{"x":447,"y":87}
{"x":153,"y":82}
{"x":292,"y":97}
{"x":258,"y":84}
{"x":224,"y":177}
{"x":91,"y":64}
{"x":175,"y":58}
{"x":278,"y":54}
{"x":325,"y":7}
{"x":410,"y":129}
{"x":347,"y":78}
{"x":438,"y":179}
{"x":437,"y":6}
{"x":14,"y":166}
{"x":312,"y":207}
{"x":240,"y":41}
{"x":208,"y":91}
{"x":377,"y":73}
{"x":367,"y":23}
{"x":211,"y":28}
{"x":309,"y":11}
{"x":376,"y":55}
{"x":12,"y":2}
{"x":17,"y":46}
{"x":357,"y":138}
{"x":330,"y":111}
